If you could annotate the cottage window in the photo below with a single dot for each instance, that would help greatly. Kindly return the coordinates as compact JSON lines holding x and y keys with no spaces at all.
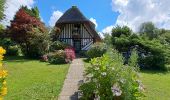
{"x":76,"y":29}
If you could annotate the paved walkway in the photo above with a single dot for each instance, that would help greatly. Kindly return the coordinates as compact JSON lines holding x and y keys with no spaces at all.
{"x":74,"y":77}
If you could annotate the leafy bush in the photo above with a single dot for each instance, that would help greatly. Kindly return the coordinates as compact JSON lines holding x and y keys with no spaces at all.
{"x":83,"y":53}
{"x":37,"y":46}
{"x":57,"y":45}
{"x":11,"y":47}
{"x":57,"y":57}
{"x":13,"y":50}
{"x":96,"y":50}
{"x":153,"y":55}
{"x":109,"y":79}
{"x":44,"y":58}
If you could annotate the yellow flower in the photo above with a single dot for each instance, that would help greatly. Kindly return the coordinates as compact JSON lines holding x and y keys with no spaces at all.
{"x":3,"y":73}
{"x":4,"y":91}
{"x":2,"y":51}
{"x":4,"y":83}
{"x":1,"y":57}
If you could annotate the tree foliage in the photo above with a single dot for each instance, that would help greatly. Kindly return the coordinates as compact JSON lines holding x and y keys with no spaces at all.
{"x":2,"y":2}
{"x":153,"y":54}
{"x":25,"y":28}
{"x":34,"y":12}
{"x":118,"y":31}
{"x":164,"y":37}
{"x":149,"y":29}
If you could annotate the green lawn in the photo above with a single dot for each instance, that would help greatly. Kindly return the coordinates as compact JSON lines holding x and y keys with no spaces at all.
{"x":157,"y":84}
{"x":33,"y":80}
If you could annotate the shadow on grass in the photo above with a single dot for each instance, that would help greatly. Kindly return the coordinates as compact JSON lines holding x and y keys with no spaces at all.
{"x":154,"y":71}
{"x":17,"y":59}
{"x":56,"y":64}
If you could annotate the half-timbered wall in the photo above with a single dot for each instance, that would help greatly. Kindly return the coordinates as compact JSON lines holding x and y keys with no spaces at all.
{"x":66,"y":35}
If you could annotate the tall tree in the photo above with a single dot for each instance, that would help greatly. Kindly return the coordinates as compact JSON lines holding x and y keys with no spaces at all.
{"x":25,"y":27}
{"x":34,"y":12}
{"x":149,"y":29}
{"x":120,"y":37}
{"x":2,"y":2}
{"x":118,"y":31}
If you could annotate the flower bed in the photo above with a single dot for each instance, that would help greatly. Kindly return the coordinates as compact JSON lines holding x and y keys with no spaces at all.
{"x":3,"y":74}
{"x":60,"y":56}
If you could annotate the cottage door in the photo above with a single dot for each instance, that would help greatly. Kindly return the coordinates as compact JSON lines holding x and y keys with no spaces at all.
{"x":77,"y":45}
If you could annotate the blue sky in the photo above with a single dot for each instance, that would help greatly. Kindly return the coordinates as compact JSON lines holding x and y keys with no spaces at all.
{"x":106,"y":14}
{"x":101,"y":10}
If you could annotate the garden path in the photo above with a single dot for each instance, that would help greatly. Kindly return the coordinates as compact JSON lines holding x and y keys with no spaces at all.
{"x":73,"y":79}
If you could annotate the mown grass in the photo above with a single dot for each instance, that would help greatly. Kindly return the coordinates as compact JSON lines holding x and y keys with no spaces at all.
{"x":33,"y":80}
{"x":156,"y":83}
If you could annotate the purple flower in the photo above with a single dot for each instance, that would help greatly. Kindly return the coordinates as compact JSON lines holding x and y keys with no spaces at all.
{"x":116,"y":90}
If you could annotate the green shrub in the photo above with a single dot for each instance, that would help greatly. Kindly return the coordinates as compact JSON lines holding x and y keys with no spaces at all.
{"x":57,"y":45}
{"x":109,"y":79}
{"x":13,"y":50}
{"x":11,"y":47}
{"x":96,"y":50}
{"x":83,"y":53}
{"x":154,"y":55}
{"x":57,"y":57}
{"x":37,"y":46}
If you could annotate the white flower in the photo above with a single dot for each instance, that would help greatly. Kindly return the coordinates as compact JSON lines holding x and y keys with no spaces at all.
{"x":122,"y":80}
{"x":141,"y":86}
{"x":116,"y":90}
{"x":104,"y":73}
{"x":97,"y":68}
{"x":90,"y":75}
{"x":113,"y":68}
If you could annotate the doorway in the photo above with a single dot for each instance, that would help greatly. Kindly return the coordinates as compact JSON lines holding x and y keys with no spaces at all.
{"x":77,"y":45}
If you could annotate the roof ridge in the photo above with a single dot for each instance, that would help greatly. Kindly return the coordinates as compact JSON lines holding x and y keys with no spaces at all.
{"x":72,"y":15}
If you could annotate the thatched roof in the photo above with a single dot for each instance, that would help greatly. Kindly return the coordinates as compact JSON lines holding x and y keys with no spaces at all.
{"x":74,"y":15}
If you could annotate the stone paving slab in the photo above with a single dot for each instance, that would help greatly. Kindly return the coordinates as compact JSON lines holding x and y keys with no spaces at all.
{"x":74,"y":76}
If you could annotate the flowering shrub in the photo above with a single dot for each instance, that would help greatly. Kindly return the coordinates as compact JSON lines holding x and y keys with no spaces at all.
{"x":96,"y":50}
{"x":57,"y":57}
{"x":109,"y":79}
{"x":60,"y":56}
{"x":44,"y":58}
{"x":3,"y":74}
{"x":70,"y":54}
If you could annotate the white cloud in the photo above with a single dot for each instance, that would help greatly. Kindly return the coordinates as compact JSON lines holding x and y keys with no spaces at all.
{"x":135,"y":12}
{"x":108,"y":29}
{"x":55,"y":16}
{"x":94,"y":21}
{"x":12,"y":7}
{"x":101,"y":34}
